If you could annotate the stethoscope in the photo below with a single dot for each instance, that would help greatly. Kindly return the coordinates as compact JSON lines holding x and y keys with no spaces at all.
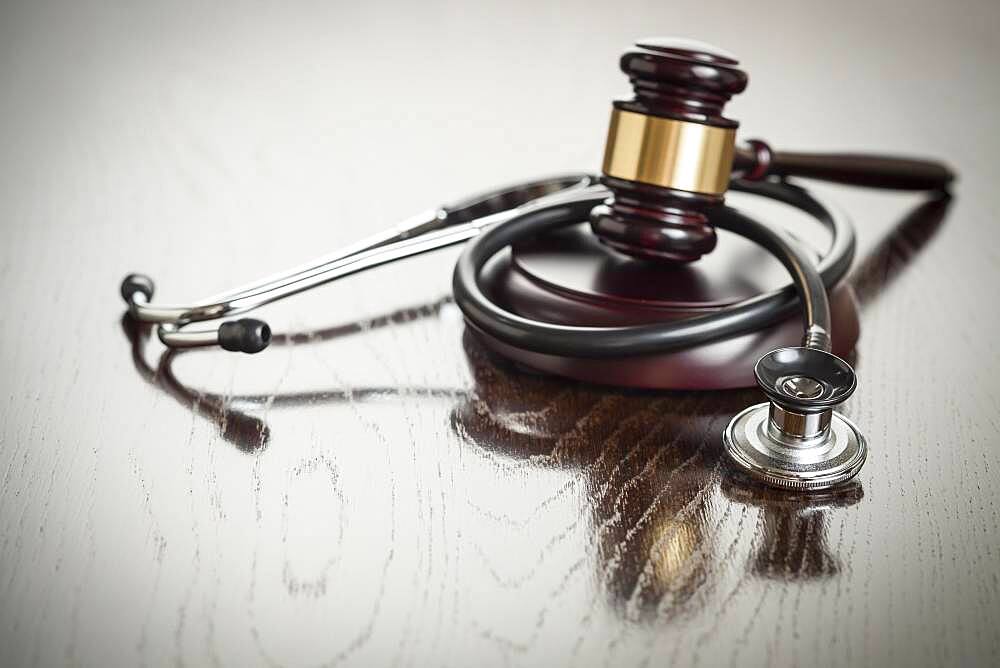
{"x":795,"y":440}
{"x":496,"y":219}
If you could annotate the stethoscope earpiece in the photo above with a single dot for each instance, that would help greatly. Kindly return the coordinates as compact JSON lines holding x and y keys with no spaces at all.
{"x":246,"y":335}
{"x":797,"y":440}
{"x":136,"y":284}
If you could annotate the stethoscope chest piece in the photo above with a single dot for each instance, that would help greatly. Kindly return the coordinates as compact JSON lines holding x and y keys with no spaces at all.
{"x":797,"y":440}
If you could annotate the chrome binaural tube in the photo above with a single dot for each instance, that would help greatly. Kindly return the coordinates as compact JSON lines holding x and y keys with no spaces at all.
{"x":425,"y":232}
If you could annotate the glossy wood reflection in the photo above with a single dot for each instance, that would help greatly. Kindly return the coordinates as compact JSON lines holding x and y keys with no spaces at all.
{"x":377,"y":488}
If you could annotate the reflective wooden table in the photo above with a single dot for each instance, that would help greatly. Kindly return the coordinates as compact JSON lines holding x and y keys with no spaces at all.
{"x":377,"y":489}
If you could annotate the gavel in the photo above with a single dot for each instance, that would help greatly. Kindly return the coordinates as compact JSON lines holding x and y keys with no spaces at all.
{"x":670,"y":154}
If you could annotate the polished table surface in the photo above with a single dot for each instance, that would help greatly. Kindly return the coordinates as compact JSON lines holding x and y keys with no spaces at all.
{"x":376,"y":489}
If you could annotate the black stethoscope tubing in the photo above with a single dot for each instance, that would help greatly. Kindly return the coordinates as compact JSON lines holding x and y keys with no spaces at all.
{"x":810,"y":282}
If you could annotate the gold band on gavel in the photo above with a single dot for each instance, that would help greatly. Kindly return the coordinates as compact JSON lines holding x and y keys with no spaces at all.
{"x":669,"y":153}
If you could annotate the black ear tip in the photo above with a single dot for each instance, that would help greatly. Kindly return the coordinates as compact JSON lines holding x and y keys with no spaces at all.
{"x":258,"y":335}
{"x":246,"y":335}
{"x":134,"y":283}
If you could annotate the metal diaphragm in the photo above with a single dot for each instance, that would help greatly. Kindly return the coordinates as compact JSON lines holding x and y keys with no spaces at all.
{"x":828,"y":460}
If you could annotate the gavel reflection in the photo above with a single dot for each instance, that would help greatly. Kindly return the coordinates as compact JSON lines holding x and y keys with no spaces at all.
{"x":643,"y":462}
{"x":666,"y":510}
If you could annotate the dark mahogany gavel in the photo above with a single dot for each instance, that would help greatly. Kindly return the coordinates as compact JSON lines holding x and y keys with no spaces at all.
{"x":670,"y":154}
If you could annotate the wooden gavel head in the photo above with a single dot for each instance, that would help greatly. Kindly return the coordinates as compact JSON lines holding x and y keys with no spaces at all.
{"x":669,"y":152}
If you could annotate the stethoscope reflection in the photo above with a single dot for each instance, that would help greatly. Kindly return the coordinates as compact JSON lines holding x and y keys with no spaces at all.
{"x":792,"y":529}
{"x":658,"y":490}
{"x":232,"y":413}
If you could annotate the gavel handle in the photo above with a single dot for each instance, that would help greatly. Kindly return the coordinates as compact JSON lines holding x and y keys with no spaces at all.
{"x":757,"y":161}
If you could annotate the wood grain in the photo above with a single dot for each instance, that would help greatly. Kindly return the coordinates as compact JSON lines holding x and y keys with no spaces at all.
{"x":377,"y":489}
